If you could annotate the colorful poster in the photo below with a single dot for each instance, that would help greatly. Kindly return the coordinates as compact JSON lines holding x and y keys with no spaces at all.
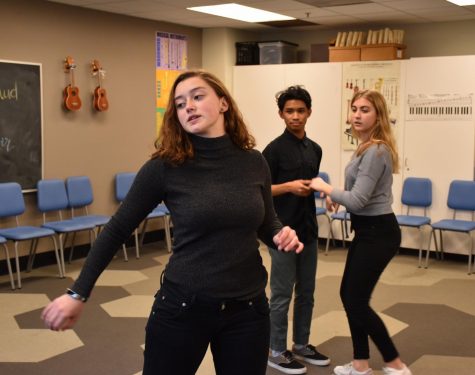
{"x":165,"y":79}
{"x":382,"y":76}
{"x":171,"y":60}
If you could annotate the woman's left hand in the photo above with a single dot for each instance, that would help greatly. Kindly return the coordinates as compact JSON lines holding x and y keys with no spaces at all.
{"x":287,"y":240}
{"x":318,"y":184}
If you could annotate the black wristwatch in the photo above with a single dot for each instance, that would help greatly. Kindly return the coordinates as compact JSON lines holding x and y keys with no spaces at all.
{"x":75,"y":295}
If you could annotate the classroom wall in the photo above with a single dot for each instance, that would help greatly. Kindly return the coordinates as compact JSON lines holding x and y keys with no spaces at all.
{"x":121,"y":139}
{"x":219,"y":51}
{"x":87,"y":142}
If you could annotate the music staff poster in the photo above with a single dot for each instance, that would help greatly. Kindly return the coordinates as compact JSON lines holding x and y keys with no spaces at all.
{"x":171,"y":60}
{"x":382,"y":76}
{"x":439,"y":107}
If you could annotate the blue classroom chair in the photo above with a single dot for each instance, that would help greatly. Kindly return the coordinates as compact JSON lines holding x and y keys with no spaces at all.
{"x":52,"y":199}
{"x":12,"y":205}
{"x":416,"y":194}
{"x":461,"y":197}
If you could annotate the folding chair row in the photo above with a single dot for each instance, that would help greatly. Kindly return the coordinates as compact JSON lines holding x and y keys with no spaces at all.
{"x":54,"y":197}
{"x":12,"y":205}
{"x":417,"y":196}
{"x":123,"y":183}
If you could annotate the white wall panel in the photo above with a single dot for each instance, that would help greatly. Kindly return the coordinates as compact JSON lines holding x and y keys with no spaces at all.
{"x":440,"y":150}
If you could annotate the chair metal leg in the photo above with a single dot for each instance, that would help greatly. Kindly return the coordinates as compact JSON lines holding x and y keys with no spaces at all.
{"x":124,"y":249}
{"x":61,"y":252}
{"x":436,"y":244}
{"x":428,"y":248}
{"x":17,"y":264}
{"x":31,"y":255}
{"x":9,"y":266}
{"x":343,"y":233}
{"x":142,"y":234}
{"x":168,"y":238}
{"x":421,"y":243}
{"x":71,"y":252}
{"x":331,"y":236}
{"x":470,"y":250}
{"x":58,"y":259}
{"x":137,"y":243}
{"x":420,"y":248}
{"x":441,"y":245}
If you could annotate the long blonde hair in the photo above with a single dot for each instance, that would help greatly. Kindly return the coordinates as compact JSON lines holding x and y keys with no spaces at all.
{"x":381,"y":132}
{"x":174,"y":144}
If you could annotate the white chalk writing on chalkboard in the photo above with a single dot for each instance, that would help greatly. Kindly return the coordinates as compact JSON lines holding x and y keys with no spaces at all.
{"x":9,"y":94}
{"x":6,"y":144}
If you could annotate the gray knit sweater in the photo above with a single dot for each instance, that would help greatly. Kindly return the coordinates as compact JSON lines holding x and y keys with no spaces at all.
{"x":368,"y":183}
{"x":220,"y":204}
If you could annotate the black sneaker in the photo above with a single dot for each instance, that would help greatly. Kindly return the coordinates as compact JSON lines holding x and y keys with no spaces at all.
{"x":310,"y":354}
{"x":286,"y":363}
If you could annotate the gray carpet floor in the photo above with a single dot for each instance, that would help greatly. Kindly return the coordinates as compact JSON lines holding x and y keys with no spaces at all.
{"x":429,"y":312}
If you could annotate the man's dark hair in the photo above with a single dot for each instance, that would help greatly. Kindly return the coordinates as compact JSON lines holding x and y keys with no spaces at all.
{"x":293,"y":93}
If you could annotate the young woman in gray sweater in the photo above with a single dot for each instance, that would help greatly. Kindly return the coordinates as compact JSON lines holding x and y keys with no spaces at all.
{"x":218,"y":191}
{"x":368,"y":197}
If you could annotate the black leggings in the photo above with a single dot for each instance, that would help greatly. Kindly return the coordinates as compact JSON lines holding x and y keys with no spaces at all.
{"x":376,"y":241}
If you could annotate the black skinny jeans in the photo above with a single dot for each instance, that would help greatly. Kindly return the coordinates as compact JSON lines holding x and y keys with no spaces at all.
{"x":182,"y":325}
{"x":376,"y":241}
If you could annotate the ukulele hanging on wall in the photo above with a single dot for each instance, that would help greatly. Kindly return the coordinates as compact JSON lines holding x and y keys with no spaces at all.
{"x":100,"y":101}
{"x":72,"y":101}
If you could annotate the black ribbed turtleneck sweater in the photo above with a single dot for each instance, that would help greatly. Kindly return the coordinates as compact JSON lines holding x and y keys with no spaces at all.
{"x":220,"y":204}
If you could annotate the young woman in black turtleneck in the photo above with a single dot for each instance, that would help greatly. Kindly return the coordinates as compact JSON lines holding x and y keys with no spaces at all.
{"x":218,"y":191}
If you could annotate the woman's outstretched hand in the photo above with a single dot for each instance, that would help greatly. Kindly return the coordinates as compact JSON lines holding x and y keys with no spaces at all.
{"x":287,"y":240}
{"x":62,"y":313}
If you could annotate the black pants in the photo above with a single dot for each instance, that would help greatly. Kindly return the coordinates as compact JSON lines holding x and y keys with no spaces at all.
{"x":182,"y":325}
{"x":376,"y":241}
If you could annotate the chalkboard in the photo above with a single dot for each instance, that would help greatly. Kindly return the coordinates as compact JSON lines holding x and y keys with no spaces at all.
{"x":20,"y":123}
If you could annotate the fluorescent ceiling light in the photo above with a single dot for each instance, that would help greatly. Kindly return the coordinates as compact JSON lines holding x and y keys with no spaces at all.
{"x":241,"y":13}
{"x":462,"y":2}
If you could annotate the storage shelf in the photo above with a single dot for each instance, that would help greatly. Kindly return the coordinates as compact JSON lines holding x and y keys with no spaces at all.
{"x":367,"y":52}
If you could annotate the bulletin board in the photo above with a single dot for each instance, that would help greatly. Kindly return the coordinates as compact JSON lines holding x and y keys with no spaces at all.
{"x":20,"y":123}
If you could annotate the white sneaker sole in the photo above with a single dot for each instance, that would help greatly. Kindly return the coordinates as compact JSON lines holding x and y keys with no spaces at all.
{"x":315,"y":362}
{"x":292,"y":371}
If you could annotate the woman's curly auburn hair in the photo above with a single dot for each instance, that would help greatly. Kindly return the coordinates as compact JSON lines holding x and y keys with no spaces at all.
{"x":382,"y":132}
{"x":173,"y":143}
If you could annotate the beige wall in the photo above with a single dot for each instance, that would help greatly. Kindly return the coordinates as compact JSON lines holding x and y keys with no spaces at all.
{"x":87,"y":142}
{"x":219,"y":51}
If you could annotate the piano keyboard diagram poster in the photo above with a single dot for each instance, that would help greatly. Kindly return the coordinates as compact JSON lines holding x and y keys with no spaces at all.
{"x":382,"y":76}
{"x":439,"y":107}
{"x":171,"y":60}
